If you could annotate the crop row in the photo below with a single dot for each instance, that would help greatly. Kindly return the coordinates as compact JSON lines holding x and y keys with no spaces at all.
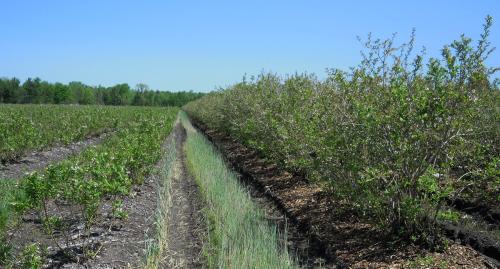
{"x":32,"y":127}
{"x":393,"y":138}
{"x":81,"y":182}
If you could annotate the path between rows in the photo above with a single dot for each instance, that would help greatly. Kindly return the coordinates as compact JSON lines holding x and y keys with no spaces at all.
{"x":185,"y":222}
{"x":124,"y":247}
{"x":37,"y":160}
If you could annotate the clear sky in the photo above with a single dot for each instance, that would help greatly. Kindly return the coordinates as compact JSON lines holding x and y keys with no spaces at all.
{"x":201,"y":45}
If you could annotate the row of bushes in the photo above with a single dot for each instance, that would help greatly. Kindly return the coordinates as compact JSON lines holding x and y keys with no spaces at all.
{"x":393,"y":138}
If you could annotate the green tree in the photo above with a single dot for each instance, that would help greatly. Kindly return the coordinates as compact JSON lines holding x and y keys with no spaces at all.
{"x":31,"y":91}
{"x":81,"y":93}
{"x":119,"y":95}
{"x":140,"y":90}
{"x":46,"y":93}
{"x":61,"y":93}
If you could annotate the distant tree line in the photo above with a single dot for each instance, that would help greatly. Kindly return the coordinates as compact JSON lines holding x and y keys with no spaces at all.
{"x":37,"y":91}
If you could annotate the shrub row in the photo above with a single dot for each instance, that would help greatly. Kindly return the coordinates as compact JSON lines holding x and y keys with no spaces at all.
{"x":393,"y":138}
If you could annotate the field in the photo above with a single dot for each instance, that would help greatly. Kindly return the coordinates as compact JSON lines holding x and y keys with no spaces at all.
{"x":34,"y":127}
{"x":154,"y":186}
{"x":152,"y":179}
{"x":75,"y":187}
{"x":394,"y":164}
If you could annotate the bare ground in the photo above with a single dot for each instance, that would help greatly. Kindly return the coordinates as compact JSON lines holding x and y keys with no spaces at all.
{"x":185,"y":222}
{"x":38,"y":160}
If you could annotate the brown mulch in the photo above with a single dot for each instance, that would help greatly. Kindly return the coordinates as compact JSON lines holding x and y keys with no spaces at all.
{"x":340,"y":238}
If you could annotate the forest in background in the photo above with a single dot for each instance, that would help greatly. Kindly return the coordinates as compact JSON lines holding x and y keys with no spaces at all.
{"x":37,"y":91}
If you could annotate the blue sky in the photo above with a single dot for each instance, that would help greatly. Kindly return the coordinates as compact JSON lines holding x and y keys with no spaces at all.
{"x":201,"y":45}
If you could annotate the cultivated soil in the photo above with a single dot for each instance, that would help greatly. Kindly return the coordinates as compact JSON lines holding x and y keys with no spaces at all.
{"x":111,"y":243}
{"x":478,"y":209}
{"x":37,"y":160}
{"x":115,"y":243}
{"x":335,"y":235}
{"x":122,"y":243}
{"x":184,"y":219}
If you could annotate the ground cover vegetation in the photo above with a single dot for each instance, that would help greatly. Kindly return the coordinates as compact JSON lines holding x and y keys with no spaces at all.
{"x":238,"y":233}
{"x":393,"y":139}
{"x":37,"y":91}
{"x":32,"y":127}
{"x":80,"y":183}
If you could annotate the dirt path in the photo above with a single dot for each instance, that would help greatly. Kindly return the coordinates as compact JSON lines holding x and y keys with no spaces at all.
{"x":38,"y":160}
{"x":185,"y":223}
{"x":124,"y":245}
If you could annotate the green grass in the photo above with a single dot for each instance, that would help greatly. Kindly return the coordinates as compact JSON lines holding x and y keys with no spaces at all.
{"x":239,"y":236}
{"x":427,"y":261}
{"x":6,"y":198}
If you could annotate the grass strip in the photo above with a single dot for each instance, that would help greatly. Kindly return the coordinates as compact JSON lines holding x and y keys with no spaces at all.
{"x":239,"y":235}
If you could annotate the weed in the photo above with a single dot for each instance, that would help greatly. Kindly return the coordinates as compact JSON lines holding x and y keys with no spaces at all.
{"x":31,"y":257}
{"x":427,"y":261}
{"x":118,"y":211}
{"x":52,"y":224}
{"x":5,"y":251}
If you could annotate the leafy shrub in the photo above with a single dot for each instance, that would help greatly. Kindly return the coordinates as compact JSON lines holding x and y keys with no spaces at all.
{"x":394,"y":137}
